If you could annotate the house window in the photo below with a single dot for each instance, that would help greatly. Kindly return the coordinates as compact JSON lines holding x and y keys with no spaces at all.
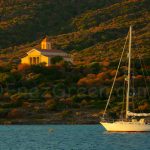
{"x":37,"y":60}
{"x":30,"y":60}
{"x":34,"y":60}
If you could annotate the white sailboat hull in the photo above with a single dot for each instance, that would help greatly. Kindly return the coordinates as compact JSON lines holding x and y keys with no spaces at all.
{"x":122,"y":126}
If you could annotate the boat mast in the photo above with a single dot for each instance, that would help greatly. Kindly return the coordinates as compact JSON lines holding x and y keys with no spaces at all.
{"x":129,"y":73}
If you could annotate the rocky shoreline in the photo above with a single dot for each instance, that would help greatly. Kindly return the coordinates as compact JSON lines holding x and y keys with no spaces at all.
{"x":68,"y":117}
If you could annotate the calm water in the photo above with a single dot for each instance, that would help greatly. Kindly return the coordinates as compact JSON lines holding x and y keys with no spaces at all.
{"x":69,"y":137}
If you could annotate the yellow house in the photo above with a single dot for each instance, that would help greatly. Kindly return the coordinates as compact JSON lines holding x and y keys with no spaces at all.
{"x":44,"y":55}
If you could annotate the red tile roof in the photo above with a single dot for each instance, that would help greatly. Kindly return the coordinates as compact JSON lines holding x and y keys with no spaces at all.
{"x":51,"y":50}
{"x":48,"y":52}
{"x":48,"y":55}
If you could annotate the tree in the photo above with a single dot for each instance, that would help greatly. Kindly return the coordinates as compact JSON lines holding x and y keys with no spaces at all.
{"x":5,"y":77}
{"x":56,"y":59}
{"x":15,"y":113}
{"x":50,"y":104}
{"x":94,"y":67}
{"x":23,"y":67}
{"x":105,"y":63}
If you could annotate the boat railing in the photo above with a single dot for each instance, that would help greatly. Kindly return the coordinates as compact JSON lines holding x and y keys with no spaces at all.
{"x":122,"y":120}
{"x":113,"y":120}
{"x":110,"y":120}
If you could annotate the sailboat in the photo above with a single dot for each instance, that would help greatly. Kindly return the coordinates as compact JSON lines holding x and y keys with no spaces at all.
{"x":128,"y":123}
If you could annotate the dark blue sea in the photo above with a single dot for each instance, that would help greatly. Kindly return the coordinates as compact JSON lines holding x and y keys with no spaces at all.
{"x":69,"y":137}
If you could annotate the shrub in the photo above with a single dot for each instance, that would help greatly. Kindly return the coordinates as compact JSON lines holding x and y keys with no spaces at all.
{"x":50,"y":104}
{"x":26,"y":105}
{"x":95,"y":67}
{"x":19,"y":97}
{"x":5,"y":77}
{"x":83,"y":103}
{"x":56,"y":59}
{"x":113,"y":73}
{"x":143,"y":107}
{"x":105,"y":63}
{"x":15,"y":113}
{"x":23,"y":67}
{"x":66,"y":113}
{"x":3,"y":112}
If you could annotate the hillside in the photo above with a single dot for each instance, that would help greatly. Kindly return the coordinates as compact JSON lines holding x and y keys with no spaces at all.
{"x":36,"y":18}
{"x":84,"y":28}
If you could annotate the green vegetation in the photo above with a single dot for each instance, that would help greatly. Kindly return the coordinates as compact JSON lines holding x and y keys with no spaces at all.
{"x":36,"y":18}
{"x":56,"y":59}
{"x":63,"y":87}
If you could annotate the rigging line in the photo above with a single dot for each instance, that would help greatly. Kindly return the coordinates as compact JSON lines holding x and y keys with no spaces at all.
{"x":123,"y":97}
{"x":133,"y":88}
{"x":144,"y":77}
{"x":124,"y":91}
{"x":108,"y":101}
